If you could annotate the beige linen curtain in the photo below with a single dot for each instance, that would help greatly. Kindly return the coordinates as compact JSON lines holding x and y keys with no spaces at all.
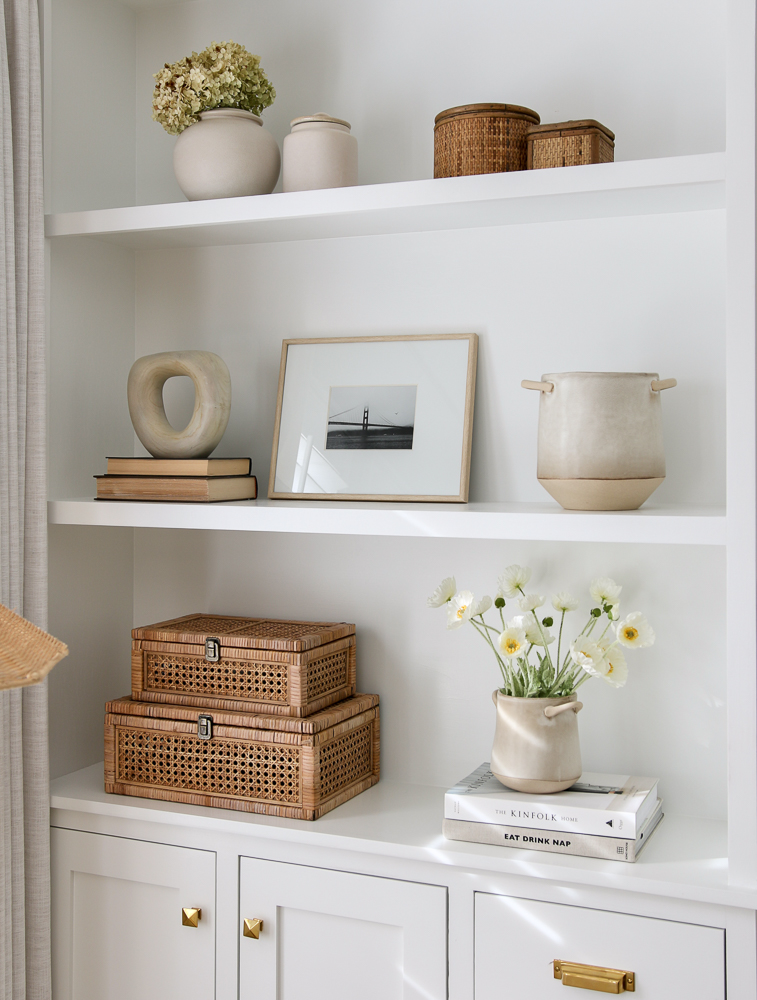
{"x":24,"y":822}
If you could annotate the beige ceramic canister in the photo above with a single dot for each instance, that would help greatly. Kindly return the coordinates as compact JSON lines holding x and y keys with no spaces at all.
{"x":319,"y":152}
{"x":536,"y":746}
{"x":600,"y":438}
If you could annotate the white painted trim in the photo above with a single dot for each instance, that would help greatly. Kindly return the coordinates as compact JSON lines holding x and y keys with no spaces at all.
{"x":602,"y":190}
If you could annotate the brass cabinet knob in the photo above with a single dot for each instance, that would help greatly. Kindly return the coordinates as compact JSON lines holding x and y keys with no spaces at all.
{"x":252,"y":928}
{"x":190,"y":916}
{"x":594,"y":977}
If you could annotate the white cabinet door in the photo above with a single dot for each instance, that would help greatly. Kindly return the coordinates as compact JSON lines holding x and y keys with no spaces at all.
{"x":335,"y":936}
{"x":117,"y":930}
{"x":517,"y":941}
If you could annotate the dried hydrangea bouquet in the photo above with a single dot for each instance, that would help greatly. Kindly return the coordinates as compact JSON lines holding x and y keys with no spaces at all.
{"x":536,"y":746}
{"x":212,"y":100}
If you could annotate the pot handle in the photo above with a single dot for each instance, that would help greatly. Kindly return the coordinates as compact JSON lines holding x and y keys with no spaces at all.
{"x":666,"y":383}
{"x":552,"y":710}
{"x":539,"y":386}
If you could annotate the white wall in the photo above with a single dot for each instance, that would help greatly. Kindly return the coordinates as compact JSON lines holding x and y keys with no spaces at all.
{"x":546,"y":298}
{"x":437,"y":719}
{"x":633,"y":294}
{"x":653,"y":72}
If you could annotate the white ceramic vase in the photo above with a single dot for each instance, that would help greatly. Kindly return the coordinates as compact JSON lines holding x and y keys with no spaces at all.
{"x":319,"y":152}
{"x":600,"y":438}
{"x":227,"y":154}
{"x":536,"y":747}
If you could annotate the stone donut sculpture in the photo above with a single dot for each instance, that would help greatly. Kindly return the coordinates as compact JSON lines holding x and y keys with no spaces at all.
{"x":212,"y":405}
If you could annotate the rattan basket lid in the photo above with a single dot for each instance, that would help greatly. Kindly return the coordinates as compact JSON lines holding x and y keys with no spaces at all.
{"x":569,"y":128}
{"x":342,"y":711}
{"x":27,"y":654}
{"x":487,"y":111}
{"x":248,"y":633}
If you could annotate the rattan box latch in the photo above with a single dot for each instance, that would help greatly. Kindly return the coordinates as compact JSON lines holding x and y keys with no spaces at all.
{"x":205,"y":727}
{"x":212,"y":650}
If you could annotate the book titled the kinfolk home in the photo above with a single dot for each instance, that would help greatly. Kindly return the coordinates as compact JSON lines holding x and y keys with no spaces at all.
{"x":614,"y":805}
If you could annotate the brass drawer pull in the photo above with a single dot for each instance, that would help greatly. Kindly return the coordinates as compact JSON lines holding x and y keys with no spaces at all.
{"x":191,"y":916}
{"x":252,"y":928}
{"x":593,"y":977}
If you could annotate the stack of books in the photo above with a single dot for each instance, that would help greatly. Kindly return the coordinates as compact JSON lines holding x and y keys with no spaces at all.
{"x":187,"y":480}
{"x":609,"y":816}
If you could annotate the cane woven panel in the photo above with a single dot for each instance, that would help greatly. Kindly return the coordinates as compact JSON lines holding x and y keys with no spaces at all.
{"x":245,"y":679}
{"x":326,"y":674}
{"x":277,"y":630}
{"x":346,"y":760}
{"x":208,"y":625}
{"x":569,"y":151}
{"x":239,"y":768}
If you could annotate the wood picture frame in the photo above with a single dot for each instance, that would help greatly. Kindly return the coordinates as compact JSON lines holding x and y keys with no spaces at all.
{"x":333,"y":439}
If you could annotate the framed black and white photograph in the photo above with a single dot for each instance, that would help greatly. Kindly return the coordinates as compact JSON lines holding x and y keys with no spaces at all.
{"x":375,"y":418}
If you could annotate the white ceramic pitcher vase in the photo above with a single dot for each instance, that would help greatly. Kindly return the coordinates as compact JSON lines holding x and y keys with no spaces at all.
{"x":536,"y":747}
{"x":600,"y":438}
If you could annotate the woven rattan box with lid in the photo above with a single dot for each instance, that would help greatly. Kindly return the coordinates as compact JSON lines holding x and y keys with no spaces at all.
{"x":245,"y":664}
{"x":296,"y":768}
{"x":481,"y":139}
{"x":569,"y":144}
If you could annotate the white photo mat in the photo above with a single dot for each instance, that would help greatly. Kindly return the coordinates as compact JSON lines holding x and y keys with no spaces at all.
{"x":375,"y":418}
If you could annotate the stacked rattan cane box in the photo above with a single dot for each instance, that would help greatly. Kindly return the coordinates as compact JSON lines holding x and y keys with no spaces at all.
{"x":253,"y":714}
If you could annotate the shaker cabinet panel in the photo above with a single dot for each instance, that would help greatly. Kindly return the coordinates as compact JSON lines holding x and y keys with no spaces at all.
{"x":117,"y":930}
{"x":330,"y":935}
{"x":517,"y":940}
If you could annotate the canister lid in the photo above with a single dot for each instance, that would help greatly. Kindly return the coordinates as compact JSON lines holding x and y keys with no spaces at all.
{"x":492,"y":110}
{"x":319,"y":117}
{"x":571,"y":128}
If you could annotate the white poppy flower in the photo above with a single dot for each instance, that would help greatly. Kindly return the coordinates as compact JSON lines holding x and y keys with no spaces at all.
{"x":535,"y":636}
{"x":586,"y":653}
{"x":564,"y":601}
{"x":479,"y":607}
{"x":513,"y":580}
{"x":605,"y":591}
{"x":635,"y":631}
{"x":615,"y":667}
{"x":614,"y":612}
{"x":529,"y":602}
{"x":461,"y":608}
{"x":512,"y":641}
{"x":443,"y":593}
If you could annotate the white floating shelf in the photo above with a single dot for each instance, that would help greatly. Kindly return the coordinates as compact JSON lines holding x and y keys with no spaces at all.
{"x":507,"y":521}
{"x":604,"y":190}
{"x":686,"y":858}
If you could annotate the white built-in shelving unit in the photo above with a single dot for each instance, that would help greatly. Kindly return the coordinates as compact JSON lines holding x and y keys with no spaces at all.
{"x":647,"y":264}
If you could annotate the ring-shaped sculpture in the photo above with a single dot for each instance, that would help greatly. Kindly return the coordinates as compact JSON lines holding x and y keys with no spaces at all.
{"x":212,"y":404}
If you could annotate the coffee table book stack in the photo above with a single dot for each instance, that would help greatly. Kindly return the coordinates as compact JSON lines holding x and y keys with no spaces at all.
{"x":179,"y":480}
{"x":254,"y":714}
{"x":609,"y":816}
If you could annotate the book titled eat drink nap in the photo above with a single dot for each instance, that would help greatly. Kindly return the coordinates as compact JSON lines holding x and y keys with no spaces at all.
{"x":600,"y":804}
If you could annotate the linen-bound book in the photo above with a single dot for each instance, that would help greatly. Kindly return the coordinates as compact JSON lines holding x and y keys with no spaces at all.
{"x":583,"y":845}
{"x":187,"y":489}
{"x":179,"y":466}
{"x":600,"y":804}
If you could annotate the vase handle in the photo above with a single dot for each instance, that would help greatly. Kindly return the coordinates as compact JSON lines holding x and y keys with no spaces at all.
{"x":539,"y":386}
{"x":552,"y":710}
{"x":666,"y":383}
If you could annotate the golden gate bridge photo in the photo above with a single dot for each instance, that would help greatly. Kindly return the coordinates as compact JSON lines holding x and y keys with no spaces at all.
{"x":371,"y":417}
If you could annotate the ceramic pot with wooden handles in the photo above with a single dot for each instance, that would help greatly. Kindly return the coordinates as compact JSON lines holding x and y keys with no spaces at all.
{"x":536,"y":746}
{"x":600,"y":438}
